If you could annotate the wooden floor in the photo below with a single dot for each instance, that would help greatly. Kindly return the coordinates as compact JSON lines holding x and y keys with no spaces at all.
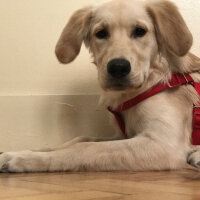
{"x":180,"y":185}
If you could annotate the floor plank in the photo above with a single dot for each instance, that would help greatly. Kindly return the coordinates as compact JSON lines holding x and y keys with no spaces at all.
{"x":176,"y":185}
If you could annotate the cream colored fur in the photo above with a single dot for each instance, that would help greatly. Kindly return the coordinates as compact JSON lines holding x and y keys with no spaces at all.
{"x":160,"y":127}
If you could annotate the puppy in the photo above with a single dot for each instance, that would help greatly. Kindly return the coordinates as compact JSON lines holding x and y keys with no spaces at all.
{"x":135,"y":45}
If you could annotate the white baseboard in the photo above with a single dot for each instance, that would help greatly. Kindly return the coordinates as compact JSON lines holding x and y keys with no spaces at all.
{"x":28,"y":122}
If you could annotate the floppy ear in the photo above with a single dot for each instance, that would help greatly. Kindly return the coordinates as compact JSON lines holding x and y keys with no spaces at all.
{"x":172,"y":32}
{"x":69,"y":44}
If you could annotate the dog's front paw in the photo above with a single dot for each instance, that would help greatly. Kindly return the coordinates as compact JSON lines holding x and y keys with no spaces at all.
{"x":194,"y":159}
{"x":13,"y":161}
{"x":24,"y":161}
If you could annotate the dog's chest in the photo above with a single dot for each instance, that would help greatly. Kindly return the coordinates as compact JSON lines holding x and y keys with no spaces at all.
{"x":155,"y":114}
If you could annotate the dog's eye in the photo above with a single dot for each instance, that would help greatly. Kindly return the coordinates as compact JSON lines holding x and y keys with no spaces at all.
{"x":102,"y":34}
{"x":139,"y":32}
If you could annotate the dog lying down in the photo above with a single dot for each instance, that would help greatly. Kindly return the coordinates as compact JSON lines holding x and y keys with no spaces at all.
{"x":135,"y":45}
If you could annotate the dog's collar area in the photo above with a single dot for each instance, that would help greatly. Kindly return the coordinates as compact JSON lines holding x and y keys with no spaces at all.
{"x":175,"y":81}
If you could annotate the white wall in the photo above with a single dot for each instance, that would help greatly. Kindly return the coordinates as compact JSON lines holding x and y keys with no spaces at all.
{"x":28,"y":34}
{"x":190,"y":11}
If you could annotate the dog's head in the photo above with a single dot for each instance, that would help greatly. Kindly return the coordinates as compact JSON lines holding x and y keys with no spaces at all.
{"x":124,"y":37}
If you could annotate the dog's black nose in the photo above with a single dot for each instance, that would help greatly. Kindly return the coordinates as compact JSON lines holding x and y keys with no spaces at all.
{"x":119,"y":68}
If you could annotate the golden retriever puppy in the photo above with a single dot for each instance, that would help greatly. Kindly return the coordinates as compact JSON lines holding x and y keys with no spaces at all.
{"x":135,"y":45}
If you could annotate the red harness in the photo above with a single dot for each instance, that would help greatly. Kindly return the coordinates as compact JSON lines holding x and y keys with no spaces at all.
{"x":176,"y":81}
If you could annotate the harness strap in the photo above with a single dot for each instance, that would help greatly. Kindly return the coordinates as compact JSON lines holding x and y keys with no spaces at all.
{"x":175,"y":81}
{"x":196,"y":119}
{"x":120,"y":121}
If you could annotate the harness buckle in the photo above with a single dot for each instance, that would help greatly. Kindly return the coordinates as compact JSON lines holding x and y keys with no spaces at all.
{"x":177,"y":80}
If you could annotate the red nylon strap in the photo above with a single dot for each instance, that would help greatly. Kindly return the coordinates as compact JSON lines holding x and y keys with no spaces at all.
{"x":176,"y":81}
{"x":196,"y":119}
{"x":120,"y":121}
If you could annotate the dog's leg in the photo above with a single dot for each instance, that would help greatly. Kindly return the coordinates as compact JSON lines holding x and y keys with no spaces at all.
{"x":194,"y":157}
{"x":137,"y":154}
{"x":78,"y":140}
